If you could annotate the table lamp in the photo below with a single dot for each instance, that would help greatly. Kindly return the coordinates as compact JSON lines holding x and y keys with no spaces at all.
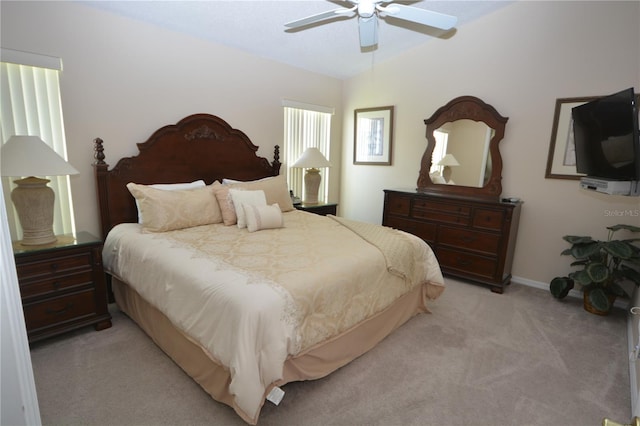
{"x":312,"y":160}
{"x":32,"y":198}
{"x":447,"y":161}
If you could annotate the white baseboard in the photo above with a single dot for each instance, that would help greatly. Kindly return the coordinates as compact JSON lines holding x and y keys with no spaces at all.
{"x":619,"y":303}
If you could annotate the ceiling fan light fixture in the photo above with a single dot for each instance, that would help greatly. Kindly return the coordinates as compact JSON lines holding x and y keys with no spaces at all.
{"x":367,"y":12}
{"x":366,"y":9}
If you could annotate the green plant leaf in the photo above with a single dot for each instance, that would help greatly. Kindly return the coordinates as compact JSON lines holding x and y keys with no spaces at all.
{"x":599,"y":300}
{"x":597,"y":272}
{"x":627,"y":227}
{"x":581,"y":277}
{"x":630,"y":274}
{"x":573,"y":239}
{"x":618,"y":290}
{"x":619,"y":249}
{"x":583,"y":251}
{"x":560,"y":287}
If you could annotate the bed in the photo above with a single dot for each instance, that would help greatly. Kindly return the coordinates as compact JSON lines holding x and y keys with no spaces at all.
{"x":244,"y":292}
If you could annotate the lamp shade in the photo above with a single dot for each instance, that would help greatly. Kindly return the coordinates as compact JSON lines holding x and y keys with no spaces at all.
{"x":448,"y":160}
{"x":311,"y":158}
{"x":30,"y":156}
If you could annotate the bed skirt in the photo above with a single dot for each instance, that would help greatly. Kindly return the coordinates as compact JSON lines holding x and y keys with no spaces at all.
{"x":313,"y":363}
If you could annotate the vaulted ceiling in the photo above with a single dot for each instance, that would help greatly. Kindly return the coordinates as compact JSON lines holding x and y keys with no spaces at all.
{"x":257,"y":27}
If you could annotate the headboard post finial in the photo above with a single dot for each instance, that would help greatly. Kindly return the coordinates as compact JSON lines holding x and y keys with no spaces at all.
{"x":276,"y":159}
{"x":99,"y":151}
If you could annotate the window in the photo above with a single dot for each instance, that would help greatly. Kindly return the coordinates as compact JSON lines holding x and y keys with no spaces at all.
{"x":439,"y":151}
{"x":306,"y":126}
{"x":30,"y":105}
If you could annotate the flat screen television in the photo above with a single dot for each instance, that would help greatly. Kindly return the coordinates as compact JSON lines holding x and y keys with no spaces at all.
{"x":606,"y":137}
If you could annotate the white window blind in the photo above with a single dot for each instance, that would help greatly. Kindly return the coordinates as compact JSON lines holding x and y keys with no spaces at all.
{"x":30,"y":105}
{"x":305,"y":128}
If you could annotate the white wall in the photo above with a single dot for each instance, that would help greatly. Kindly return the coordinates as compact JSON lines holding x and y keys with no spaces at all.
{"x":518,"y":59}
{"x":123,"y":79}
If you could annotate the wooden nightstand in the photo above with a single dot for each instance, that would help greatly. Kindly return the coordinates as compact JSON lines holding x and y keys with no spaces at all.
{"x":322,"y":209}
{"x":62,"y":285}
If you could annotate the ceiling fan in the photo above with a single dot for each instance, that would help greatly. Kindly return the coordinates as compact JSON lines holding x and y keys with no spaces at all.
{"x":369,"y":10}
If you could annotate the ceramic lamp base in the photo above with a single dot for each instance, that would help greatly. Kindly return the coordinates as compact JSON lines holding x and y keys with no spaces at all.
{"x":311,"y":185}
{"x":34,"y":200}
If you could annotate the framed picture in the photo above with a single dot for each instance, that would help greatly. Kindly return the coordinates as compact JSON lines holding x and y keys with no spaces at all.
{"x":373,"y":136}
{"x":561,"y":163}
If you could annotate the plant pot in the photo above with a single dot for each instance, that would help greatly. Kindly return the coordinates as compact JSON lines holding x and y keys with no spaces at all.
{"x":591,"y":309}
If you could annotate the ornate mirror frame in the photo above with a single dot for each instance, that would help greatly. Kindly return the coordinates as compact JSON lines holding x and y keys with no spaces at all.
{"x":472,"y":108}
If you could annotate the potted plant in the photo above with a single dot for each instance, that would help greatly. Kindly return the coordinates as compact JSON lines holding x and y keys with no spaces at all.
{"x":603,"y":266}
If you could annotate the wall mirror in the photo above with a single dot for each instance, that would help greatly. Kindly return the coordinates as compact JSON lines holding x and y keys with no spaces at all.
{"x":462,"y":155}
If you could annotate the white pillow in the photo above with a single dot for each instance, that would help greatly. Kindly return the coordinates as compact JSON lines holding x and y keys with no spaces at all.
{"x":263,"y":217}
{"x":170,"y":187}
{"x":241,"y":197}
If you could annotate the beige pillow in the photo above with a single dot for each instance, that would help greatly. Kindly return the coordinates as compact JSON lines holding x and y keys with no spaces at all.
{"x":169,"y":210}
{"x":226,"y":204}
{"x":275,"y":190}
{"x":263,"y":217}
{"x":239,"y":197}
{"x":172,"y":187}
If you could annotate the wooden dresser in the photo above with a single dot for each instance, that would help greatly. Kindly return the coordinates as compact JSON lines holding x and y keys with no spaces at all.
{"x":62,"y":285}
{"x":472,"y":239}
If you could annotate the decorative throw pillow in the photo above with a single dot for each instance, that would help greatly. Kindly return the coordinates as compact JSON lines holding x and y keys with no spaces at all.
{"x":226,"y":204}
{"x":168,"y":210}
{"x":242,"y":197}
{"x":275,"y":190}
{"x":263,"y":217}
{"x":171,"y":187}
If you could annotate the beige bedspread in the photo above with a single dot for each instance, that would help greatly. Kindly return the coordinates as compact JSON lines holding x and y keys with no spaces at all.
{"x":252,"y":299}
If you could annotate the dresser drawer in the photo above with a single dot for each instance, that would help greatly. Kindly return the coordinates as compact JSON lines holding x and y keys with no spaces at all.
{"x":426,"y":231}
{"x":50,"y":286}
{"x":469,"y":240}
{"x":56,"y":310}
{"x":441,"y":212}
{"x":441,"y":207}
{"x":47,"y":267}
{"x":398,"y":205}
{"x":488,"y":219}
{"x":467,"y":263}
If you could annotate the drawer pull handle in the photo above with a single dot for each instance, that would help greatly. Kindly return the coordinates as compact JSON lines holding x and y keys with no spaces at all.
{"x":59,"y":311}
{"x":467,"y":239}
{"x":56,"y":285}
{"x":54,"y":266}
{"x":464,"y":262}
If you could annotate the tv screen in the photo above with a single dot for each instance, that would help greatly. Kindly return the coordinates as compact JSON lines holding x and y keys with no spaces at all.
{"x":606,"y":137}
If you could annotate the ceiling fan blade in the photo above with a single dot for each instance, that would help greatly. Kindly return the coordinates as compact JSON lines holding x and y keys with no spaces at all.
{"x":420,"y":16}
{"x":319,"y":17}
{"x":368,"y":28}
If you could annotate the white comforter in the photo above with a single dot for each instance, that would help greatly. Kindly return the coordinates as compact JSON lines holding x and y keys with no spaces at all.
{"x":252,"y":299}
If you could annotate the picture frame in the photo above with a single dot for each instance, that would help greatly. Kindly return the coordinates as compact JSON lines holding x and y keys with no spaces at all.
{"x":373,"y":136}
{"x":561,"y":162}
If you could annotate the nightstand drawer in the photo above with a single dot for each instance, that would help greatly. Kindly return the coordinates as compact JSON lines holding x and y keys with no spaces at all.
{"x":469,"y":240}
{"x":50,"y":267}
{"x":57,"y":283}
{"x":54,"y":311}
{"x":467,"y":263}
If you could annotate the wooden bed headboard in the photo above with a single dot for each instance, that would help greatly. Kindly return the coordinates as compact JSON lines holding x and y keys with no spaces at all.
{"x":200,"y":146}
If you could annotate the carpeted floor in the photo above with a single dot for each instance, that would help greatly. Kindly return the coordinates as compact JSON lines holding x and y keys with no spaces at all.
{"x":520,"y":358}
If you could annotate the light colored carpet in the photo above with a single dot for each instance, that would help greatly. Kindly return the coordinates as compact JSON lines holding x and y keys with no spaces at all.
{"x":520,"y":358}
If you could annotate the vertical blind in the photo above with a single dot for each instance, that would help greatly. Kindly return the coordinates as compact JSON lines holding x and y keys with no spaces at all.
{"x":304,"y":128}
{"x":30,"y":105}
